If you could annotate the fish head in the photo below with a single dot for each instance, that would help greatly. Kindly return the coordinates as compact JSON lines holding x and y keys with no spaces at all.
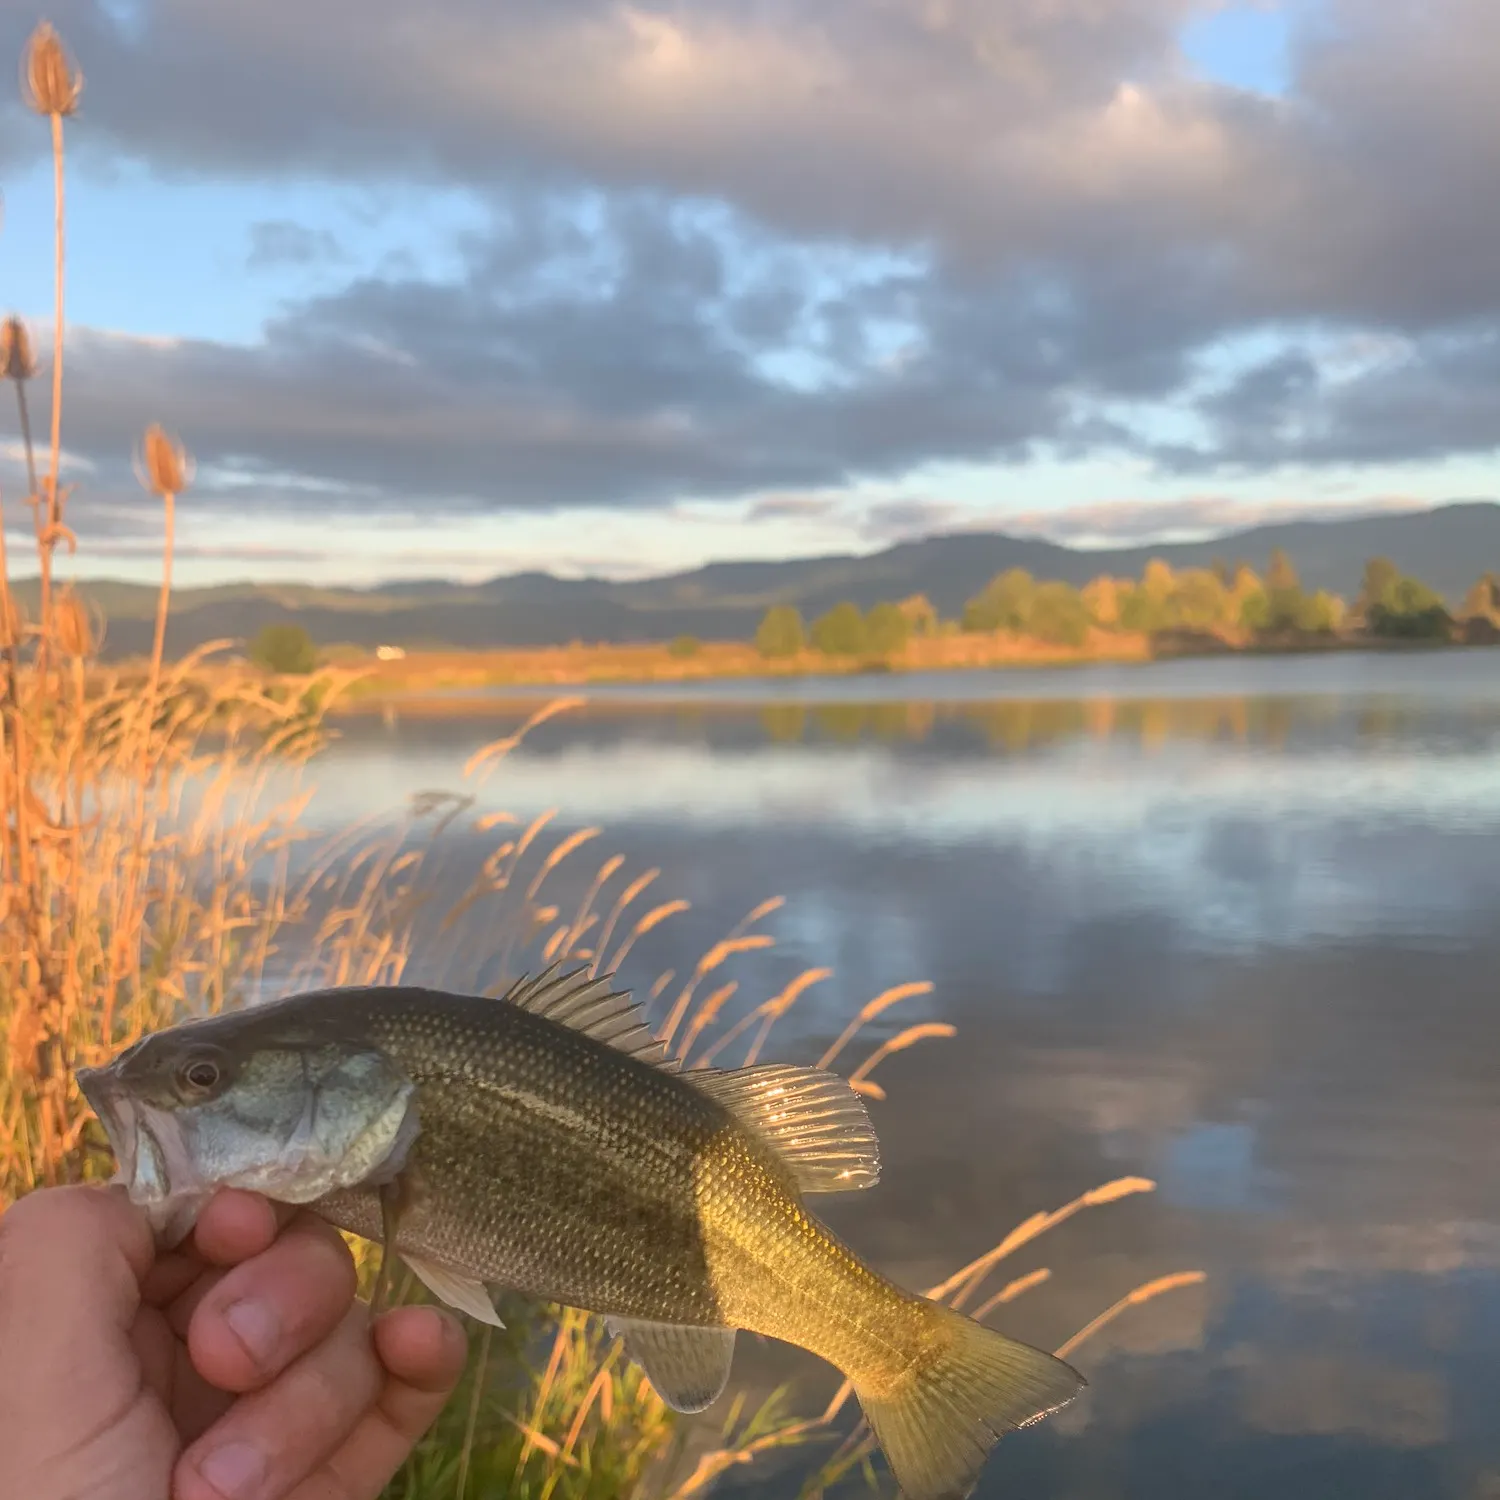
{"x":289,"y":1111}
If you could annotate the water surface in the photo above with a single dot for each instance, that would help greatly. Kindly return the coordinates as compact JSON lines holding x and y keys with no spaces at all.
{"x":1230,"y":925}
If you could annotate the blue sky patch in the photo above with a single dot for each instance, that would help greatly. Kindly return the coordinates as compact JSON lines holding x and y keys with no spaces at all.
{"x":1245,"y":46}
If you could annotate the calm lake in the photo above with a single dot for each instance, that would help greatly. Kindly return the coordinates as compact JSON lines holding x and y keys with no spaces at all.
{"x":1230,"y":925}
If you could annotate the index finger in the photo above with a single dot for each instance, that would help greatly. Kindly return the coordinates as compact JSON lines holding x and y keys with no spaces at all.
{"x":423,"y":1351}
{"x":236,"y":1225}
{"x":233,"y":1227}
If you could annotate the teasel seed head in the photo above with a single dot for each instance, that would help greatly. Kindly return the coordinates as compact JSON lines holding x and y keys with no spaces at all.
{"x":50,"y":82}
{"x":17,"y":361}
{"x":73,"y":624}
{"x":164,"y":466}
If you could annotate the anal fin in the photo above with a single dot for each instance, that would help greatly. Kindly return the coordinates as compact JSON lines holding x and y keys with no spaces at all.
{"x":462,"y":1292}
{"x":688,"y":1367}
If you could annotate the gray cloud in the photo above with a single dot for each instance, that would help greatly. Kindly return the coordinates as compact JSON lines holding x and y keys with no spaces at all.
{"x":902,"y":519}
{"x":721,"y":261}
{"x":793,"y":507}
{"x":1059,"y":132}
{"x":1124,"y":523}
{"x":536,"y":382}
{"x":279,"y":242}
{"x":1429,"y":397}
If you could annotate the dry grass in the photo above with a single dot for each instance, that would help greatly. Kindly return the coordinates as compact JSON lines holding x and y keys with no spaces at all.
{"x":147,"y":871}
{"x":427,"y":672}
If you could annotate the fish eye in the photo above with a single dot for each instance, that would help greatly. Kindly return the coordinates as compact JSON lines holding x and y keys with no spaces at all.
{"x":200,"y":1075}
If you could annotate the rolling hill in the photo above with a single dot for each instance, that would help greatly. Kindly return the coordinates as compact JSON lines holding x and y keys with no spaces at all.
{"x":1448,"y":548}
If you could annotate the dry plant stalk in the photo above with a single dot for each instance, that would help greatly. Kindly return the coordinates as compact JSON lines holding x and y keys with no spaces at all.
{"x":51,"y":86}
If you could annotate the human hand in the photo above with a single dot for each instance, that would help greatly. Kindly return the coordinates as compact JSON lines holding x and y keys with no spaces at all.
{"x":236,"y":1367}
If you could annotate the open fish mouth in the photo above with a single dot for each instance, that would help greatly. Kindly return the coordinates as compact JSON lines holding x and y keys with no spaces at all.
{"x":154,"y":1165}
{"x":115,"y":1113}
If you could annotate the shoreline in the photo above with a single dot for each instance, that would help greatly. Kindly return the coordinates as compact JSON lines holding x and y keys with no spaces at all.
{"x":479,"y":692}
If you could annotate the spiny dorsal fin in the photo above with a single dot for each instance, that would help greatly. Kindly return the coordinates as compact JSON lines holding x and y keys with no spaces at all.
{"x":588,"y":1005}
{"x":815,"y":1121}
{"x":687,"y":1367}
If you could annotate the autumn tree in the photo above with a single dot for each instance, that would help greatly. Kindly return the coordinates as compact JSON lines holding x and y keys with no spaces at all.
{"x":1058,"y":615}
{"x":1255,"y":610}
{"x":1483,"y":600}
{"x":1408,"y":609}
{"x":842,"y":631}
{"x":1158,"y":579}
{"x":1101,"y":597}
{"x":1320,"y":614}
{"x":285,"y":648}
{"x":1199,"y":600}
{"x":1281,"y":576}
{"x":1286,"y":606}
{"x":887,"y":629}
{"x":1246,"y":581}
{"x":920,"y":614}
{"x":780,"y":633}
{"x":1381,"y":576}
{"x":1003,"y":604}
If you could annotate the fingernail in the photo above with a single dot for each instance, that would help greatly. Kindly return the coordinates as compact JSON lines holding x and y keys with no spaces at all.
{"x":236,"y":1471}
{"x":257,"y":1327}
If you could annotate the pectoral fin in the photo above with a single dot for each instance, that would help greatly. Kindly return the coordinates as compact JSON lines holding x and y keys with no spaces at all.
{"x":462,"y":1292}
{"x":688,"y":1367}
{"x":450,"y":1287}
{"x":392,"y":1201}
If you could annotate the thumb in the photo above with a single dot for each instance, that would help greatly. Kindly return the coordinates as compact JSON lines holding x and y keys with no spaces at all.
{"x":72,"y":1260}
{"x":71,"y":1265}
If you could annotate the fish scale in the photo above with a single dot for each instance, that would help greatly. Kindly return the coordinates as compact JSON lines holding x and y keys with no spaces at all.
{"x":547,"y":1163}
{"x":545,"y":1142}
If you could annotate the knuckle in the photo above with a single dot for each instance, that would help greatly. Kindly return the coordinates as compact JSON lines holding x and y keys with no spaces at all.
{"x":336,"y":1390}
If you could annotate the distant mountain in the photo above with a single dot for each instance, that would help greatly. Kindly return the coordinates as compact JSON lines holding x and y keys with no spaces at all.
{"x":1447,"y":548}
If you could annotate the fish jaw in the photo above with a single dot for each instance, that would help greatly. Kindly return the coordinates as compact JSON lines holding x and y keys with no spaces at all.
{"x":154,"y":1165}
{"x":116,"y":1115}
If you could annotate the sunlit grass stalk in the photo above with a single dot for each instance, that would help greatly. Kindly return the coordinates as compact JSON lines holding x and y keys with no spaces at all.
{"x":54,"y":472}
{"x":466,"y":1453}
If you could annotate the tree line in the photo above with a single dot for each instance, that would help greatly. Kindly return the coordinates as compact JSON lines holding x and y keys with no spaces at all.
{"x":1228,"y":600}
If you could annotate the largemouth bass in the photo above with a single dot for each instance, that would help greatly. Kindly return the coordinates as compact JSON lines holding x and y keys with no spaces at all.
{"x":546,"y":1142}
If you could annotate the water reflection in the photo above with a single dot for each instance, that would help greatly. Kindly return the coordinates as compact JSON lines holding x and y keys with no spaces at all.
{"x":1020,"y":725}
{"x":1244,"y":943}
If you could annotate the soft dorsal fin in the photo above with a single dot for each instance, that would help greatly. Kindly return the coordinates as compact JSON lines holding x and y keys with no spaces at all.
{"x":817,"y":1124}
{"x":687,"y":1367}
{"x":588,"y":1005}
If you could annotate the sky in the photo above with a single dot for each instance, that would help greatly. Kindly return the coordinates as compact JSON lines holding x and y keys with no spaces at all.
{"x":606,"y":288}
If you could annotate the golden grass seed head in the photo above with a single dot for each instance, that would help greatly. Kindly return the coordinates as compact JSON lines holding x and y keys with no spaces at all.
{"x":50,"y":82}
{"x":165,"y":467}
{"x":17,"y":358}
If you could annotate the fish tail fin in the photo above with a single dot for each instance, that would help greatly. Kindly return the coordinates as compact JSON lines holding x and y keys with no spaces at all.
{"x":937,"y":1421}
